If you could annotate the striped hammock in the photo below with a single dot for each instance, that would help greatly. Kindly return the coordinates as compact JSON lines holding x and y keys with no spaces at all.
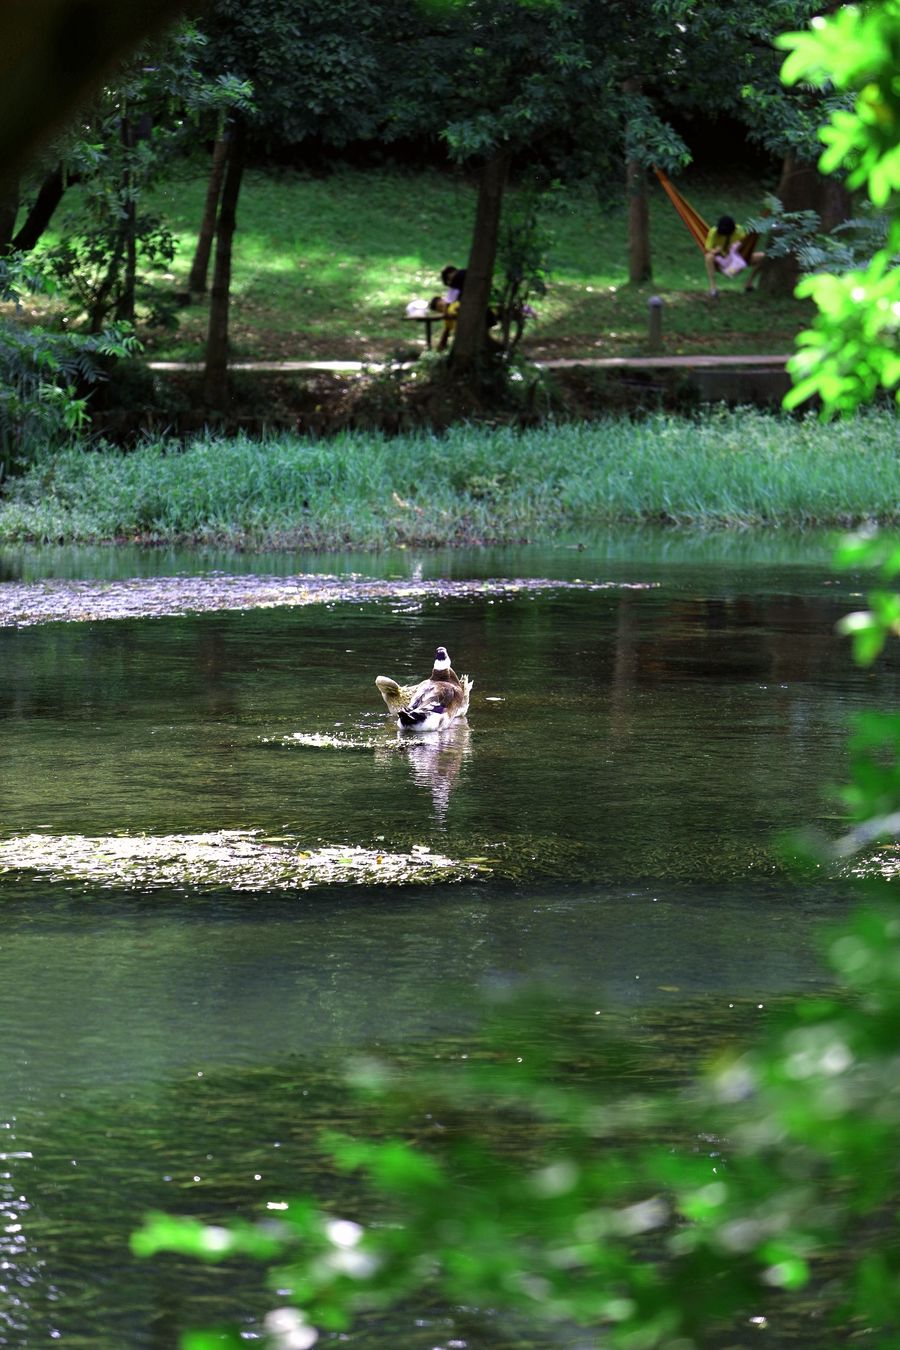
{"x":697,"y":226}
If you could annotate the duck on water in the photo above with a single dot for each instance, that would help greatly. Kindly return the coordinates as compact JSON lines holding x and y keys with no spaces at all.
{"x":432,"y":704}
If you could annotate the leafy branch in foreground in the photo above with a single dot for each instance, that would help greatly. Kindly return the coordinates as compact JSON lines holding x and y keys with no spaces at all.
{"x":651,"y":1220}
{"x":850,"y":352}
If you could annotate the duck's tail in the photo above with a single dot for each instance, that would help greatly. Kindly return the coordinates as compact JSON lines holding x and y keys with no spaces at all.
{"x":415,"y":717}
{"x":394,"y":694}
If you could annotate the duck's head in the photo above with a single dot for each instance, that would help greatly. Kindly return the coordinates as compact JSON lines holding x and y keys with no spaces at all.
{"x":441,"y":659}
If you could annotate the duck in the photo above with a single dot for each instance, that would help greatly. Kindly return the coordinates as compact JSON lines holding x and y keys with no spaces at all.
{"x":432,"y":704}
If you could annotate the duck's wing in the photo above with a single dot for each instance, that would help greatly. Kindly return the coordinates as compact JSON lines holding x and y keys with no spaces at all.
{"x":433,"y":695}
{"x":437,"y":697}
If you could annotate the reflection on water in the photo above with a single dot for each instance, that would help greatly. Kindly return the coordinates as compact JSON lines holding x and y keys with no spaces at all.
{"x":435,"y":759}
{"x":570,"y":556}
{"x":174,"y":1041}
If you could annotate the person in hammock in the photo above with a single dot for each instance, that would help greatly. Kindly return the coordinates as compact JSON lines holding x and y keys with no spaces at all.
{"x":725,"y":253}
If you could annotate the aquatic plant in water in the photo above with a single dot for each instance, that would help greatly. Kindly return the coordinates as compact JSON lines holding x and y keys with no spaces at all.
{"x":24,"y":604}
{"x":239,"y":860}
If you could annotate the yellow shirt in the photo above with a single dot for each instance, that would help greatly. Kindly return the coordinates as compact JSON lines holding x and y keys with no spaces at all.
{"x":721,"y":243}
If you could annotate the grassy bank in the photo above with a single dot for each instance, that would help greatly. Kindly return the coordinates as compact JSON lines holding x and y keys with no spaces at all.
{"x":324,"y":267}
{"x":742,"y":468}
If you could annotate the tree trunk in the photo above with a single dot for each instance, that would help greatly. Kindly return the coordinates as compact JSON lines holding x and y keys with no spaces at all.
{"x":215,"y":380}
{"x":835,"y":203}
{"x":640,"y":264}
{"x":101,"y":301}
{"x":9,"y":209}
{"x":125,"y":307}
{"x":802,"y":188}
{"x":45,"y":203}
{"x":471,"y":330}
{"x":200,"y":265}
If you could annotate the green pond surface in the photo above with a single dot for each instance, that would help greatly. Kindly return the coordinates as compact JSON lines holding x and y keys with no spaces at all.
{"x":223,"y":872}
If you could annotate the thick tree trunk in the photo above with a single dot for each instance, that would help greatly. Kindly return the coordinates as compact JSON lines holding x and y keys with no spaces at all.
{"x":215,"y":380}
{"x":200,"y":265}
{"x":835,"y":203}
{"x":471,"y":330}
{"x":9,"y":209}
{"x":640,"y":264}
{"x":802,"y":188}
{"x":45,"y":203}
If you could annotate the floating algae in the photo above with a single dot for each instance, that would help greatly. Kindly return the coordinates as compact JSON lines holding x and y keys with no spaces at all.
{"x":251,"y":860}
{"x":237,"y":860}
{"x":23,"y":604}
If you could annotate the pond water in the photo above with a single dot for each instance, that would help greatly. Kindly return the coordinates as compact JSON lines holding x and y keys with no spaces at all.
{"x":224,"y":872}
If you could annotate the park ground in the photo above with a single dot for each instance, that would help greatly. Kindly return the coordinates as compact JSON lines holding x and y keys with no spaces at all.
{"x":324,"y":266}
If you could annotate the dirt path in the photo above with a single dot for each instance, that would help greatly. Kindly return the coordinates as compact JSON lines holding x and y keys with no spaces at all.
{"x":559,"y":363}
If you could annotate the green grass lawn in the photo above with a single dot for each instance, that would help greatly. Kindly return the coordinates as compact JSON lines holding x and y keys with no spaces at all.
{"x":325,"y":266}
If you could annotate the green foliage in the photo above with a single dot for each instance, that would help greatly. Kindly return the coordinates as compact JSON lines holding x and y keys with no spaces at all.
{"x":851,"y":245}
{"x":855,"y":49}
{"x":88,"y":265}
{"x":44,"y":385}
{"x":711,"y":60}
{"x":849,"y":353}
{"x":869,"y":628}
{"x":523,"y":269}
{"x":123,"y":144}
{"x":316,"y":69}
{"x":789,"y":123}
{"x":21,"y":276}
{"x":656,"y":1219}
{"x":650,"y":141}
{"x":505,"y":73}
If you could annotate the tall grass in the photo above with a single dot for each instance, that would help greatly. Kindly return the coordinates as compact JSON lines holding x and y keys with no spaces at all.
{"x":732,"y":468}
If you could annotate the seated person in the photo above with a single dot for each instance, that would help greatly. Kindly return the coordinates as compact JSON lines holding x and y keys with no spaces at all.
{"x":454,"y":278}
{"x":450,"y":310}
{"x":723,"y":254}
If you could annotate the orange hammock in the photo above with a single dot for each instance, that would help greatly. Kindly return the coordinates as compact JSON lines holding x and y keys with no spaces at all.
{"x":695,"y":222}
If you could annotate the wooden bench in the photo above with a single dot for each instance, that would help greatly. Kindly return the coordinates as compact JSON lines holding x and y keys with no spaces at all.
{"x":433,"y":317}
